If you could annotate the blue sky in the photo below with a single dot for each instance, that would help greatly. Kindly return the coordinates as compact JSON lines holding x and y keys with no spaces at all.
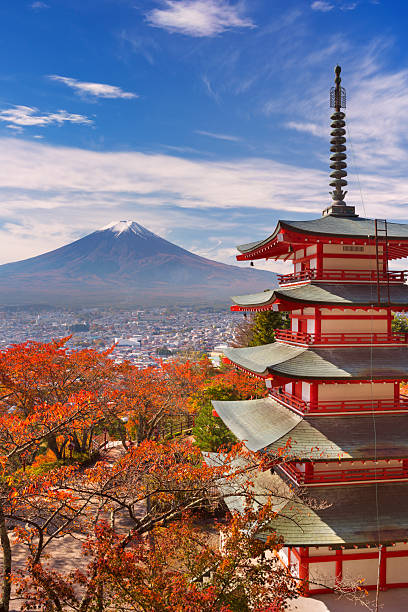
{"x":204,"y":120}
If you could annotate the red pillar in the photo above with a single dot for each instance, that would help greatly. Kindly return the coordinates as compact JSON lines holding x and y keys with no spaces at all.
{"x":304,"y":570}
{"x":318,"y":323}
{"x":339,"y":566}
{"x":389,"y":321}
{"x":314,"y":390}
{"x":396,"y":392}
{"x":308,"y":471}
{"x":319,"y":259}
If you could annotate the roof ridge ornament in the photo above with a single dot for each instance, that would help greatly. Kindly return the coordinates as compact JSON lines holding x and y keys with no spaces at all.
{"x":338,"y":151}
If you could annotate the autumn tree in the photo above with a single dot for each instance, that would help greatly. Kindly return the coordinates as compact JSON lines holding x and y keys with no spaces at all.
{"x":183,"y":572}
{"x":132,"y":511}
{"x":34,"y":374}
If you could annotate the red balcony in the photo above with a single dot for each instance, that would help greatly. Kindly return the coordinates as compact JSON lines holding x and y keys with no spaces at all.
{"x":339,"y":476}
{"x":368,"y":276}
{"x":336,"y":406}
{"x":295,"y":337}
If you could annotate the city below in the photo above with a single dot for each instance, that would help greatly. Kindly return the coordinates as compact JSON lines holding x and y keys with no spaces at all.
{"x":139,"y":336}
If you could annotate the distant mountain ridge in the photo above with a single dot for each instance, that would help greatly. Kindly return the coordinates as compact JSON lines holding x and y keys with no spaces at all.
{"x":124,"y":263}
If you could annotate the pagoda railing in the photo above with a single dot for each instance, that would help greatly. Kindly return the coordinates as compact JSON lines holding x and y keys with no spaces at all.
{"x":334,"y":406}
{"x":297,"y":337}
{"x":334,"y":476}
{"x":344,"y":275}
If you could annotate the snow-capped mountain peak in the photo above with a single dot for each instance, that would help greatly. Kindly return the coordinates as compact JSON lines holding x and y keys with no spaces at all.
{"x":119,"y":227}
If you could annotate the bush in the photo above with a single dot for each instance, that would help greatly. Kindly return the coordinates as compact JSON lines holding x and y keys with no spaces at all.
{"x":210,"y":433}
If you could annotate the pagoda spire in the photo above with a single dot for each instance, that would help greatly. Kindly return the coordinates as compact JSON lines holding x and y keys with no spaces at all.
{"x":338,"y":151}
{"x":338,"y":141}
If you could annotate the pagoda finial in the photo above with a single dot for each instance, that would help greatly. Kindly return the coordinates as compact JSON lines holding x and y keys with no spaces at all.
{"x":338,"y":141}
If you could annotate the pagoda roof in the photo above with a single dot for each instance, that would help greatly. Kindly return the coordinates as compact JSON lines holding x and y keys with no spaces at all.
{"x":346,"y":515}
{"x":327,"y":516}
{"x":326,"y":294}
{"x":268,"y":426}
{"x":341,"y":363}
{"x":330,"y":225}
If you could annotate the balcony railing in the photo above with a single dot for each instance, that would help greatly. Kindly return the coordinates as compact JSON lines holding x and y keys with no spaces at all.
{"x":297,"y":337}
{"x":344,"y":275}
{"x":334,"y":476}
{"x":334,"y":406}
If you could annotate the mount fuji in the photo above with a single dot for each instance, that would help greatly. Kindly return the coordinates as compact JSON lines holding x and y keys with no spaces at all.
{"x":125,"y":264}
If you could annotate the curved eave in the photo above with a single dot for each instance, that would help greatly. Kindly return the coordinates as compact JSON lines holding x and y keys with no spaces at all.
{"x":324,"y":229}
{"x":347,"y":515}
{"x":339,"y":296}
{"x":344,"y":363}
{"x":266,"y":425}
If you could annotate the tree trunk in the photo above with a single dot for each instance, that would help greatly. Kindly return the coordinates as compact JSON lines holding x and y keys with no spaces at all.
{"x":5,"y":544}
{"x":52,"y":444}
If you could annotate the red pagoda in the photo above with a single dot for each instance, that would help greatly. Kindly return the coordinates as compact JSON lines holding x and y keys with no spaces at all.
{"x":334,"y":388}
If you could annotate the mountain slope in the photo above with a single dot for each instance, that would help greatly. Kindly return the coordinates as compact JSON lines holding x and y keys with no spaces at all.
{"x":124,"y":263}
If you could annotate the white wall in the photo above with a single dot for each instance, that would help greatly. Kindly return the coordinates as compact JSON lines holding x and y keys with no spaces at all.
{"x":339,"y":326}
{"x":324,"y":574}
{"x":364,"y":568}
{"x":349,"y":263}
{"x":311,"y":326}
{"x":397,"y":570}
{"x":349,"y":391}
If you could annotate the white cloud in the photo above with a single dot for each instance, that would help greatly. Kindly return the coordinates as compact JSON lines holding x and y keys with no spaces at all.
{"x":39,"y":5}
{"x":322,"y":5}
{"x":310,"y":128}
{"x":99,"y":90}
{"x":377,"y":105}
{"x":218,"y":136}
{"x":198,"y":17}
{"x":24,"y":116}
{"x":77,"y":190}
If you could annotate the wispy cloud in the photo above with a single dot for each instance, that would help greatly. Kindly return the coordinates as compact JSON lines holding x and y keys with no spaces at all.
{"x":39,"y":5}
{"x":218,"y":136}
{"x":322,"y":6}
{"x":310,"y":128}
{"x":209,"y":88}
{"x":377,"y":104}
{"x":199,"y":17}
{"x":98,"y":90}
{"x":19,"y":117}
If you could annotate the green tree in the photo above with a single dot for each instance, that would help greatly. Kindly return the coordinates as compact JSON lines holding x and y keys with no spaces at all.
{"x":209,"y":431}
{"x":400,"y":323}
{"x":264,"y":325}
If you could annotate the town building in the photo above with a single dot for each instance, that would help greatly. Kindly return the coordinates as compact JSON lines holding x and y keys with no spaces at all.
{"x":335,"y":404}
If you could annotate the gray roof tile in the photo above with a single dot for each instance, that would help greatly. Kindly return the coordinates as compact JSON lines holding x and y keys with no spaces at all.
{"x":329,"y":294}
{"x":355,"y":227}
{"x":267,"y":425}
{"x":359,"y":363}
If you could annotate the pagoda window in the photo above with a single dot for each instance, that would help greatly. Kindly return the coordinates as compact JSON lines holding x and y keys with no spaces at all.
{"x":305,"y":391}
